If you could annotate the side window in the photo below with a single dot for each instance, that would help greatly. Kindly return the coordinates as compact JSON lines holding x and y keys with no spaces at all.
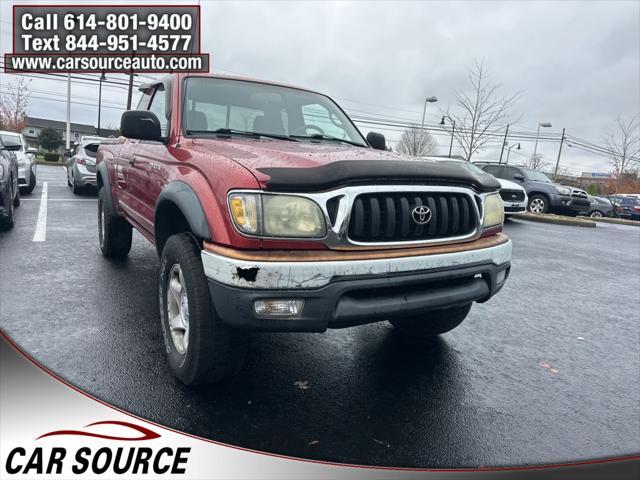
{"x":318,"y":116}
{"x":158,"y":107}
{"x":509,"y":173}
{"x":493,"y":170}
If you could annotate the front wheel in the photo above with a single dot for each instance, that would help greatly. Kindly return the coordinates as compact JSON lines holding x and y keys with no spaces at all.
{"x":114,"y":233}
{"x":432,"y":323}
{"x":538,"y":204}
{"x":200,"y":348}
{"x":596,"y":214}
{"x":32,"y":182}
{"x":8,"y":221}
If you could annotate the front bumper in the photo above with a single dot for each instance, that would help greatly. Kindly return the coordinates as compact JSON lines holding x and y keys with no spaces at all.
{"x":342,"y":293}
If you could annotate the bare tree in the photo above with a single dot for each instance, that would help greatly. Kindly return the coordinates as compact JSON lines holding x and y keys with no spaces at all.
{"x":417,"y":142}
{"x":535,"y":162}
{"x":14,"y":105}
{"x":624,"y":147}
{"x":484,"y":111}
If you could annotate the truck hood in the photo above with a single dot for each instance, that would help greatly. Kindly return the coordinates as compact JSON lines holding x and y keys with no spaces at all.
{"x":309,"y":166}
{"x":508,"y":184}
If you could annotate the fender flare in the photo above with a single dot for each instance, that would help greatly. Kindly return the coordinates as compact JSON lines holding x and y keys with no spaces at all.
{"x":103,"y":174}
{"x":182,"y":195}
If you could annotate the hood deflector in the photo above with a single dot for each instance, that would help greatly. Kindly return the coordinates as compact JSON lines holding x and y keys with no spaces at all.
{"x":353,"y":172}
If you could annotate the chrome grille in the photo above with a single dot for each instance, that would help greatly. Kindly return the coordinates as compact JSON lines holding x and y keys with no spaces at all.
{"x":392,"y":216}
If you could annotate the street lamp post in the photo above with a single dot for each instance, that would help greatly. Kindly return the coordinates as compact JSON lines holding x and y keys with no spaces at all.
{"x":509,"y":151}
{"x":541,"y":124}
{"x":424,"y":110}
{"x":453,"y":131}
{"x":102,"y":78}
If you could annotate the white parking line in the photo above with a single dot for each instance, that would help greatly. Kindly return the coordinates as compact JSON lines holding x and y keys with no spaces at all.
{"x":41,"y":226}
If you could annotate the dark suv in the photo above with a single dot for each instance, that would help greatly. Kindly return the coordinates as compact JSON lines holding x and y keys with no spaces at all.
{"x":544,"y":195}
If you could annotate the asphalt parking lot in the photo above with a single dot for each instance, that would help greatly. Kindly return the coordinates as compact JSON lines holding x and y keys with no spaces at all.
{"x":547,"y":371}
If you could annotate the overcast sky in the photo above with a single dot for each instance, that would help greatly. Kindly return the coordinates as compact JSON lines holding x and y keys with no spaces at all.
{"x":576,"y":64}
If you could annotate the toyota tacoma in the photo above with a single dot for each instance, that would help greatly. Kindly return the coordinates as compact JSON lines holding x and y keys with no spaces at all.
{"x":270,"y":211}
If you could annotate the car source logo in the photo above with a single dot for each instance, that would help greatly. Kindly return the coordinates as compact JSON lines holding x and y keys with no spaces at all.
{"x":421,"y":215}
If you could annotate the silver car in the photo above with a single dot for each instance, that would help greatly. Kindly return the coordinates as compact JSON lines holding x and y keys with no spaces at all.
{"x":26,"y":160}
{"x":81,"y":164}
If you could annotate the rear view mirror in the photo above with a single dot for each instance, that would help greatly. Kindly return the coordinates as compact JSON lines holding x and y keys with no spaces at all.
{"x":377,"y":141}
{"x":141,"y":125}
{"x":67,"y":154}
{"x":32,"y":151}
{"x":518,"y":178}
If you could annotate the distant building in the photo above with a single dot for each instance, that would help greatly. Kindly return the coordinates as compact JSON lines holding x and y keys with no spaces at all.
{"x":78,"y":130}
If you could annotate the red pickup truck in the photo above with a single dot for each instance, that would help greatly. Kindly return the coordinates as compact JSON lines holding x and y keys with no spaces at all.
{"x":270,"y":211}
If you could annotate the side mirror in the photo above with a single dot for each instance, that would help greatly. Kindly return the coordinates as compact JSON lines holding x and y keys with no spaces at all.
{"x":32,"y":151}
{"x":141,"y":125}
{"x":518,"y":178}
{"x":377,"y":141}
{"x":67,"y":154}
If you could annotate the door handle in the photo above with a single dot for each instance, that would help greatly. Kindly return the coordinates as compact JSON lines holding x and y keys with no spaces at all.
{"x":132,"y":160}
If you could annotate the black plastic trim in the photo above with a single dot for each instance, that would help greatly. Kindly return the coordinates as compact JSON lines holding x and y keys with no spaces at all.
{"x":183,"y":196}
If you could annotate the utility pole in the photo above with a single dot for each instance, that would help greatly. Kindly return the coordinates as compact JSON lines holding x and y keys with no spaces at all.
{"x":102,"y":77}
{"x":453,"y":131}
{"x":555,"y":172}
{"x":68,"y":142}
{"x":129,"y":95}
{"x":506,"y":132}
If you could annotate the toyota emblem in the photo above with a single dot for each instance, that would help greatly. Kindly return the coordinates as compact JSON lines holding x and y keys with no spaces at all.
{"x":421,"y":215}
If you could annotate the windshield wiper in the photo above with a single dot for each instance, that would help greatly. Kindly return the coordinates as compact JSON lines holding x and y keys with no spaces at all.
{"x":232,"y":131}
{"x":319,"y":136}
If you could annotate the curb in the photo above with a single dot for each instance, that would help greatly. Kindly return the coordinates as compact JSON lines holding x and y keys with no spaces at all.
{"x":617,"y":221}
{"x":556,"y":219}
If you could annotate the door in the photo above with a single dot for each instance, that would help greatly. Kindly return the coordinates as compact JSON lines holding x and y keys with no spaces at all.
{"x":144,"y":176}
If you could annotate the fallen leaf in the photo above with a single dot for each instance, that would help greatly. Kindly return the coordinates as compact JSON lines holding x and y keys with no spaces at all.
{"x":545,"y":364}
{"x":313,"y":442}
{"x":580,"y":338}
{"x":554,"y":370}
{"x":302,"y":385}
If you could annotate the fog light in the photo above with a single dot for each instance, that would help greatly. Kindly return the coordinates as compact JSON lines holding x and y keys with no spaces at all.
{"x":278,"y":308}
{"x":500,"y":276}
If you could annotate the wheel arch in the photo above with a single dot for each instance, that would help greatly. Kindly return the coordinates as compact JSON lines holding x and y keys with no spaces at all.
{"x":179,"y":210}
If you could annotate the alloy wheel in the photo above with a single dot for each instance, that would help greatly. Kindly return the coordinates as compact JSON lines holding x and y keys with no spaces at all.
{"x":537,"y":205}
{"x":178,"y":309}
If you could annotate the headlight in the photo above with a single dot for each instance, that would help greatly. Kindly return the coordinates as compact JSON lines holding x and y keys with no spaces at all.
{"x":493,"y":211}
{"x":277,"y":215}
{"x":563,"y":190}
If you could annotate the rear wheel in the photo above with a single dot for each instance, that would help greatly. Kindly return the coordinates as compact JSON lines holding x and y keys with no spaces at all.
{"x":538,"y":204}
{"x":114,"y":232}
{"x":432,"y":323}
{"x":74,"y":187}
{"x":200,"y":348}
{"x":16,"y":199}
{"x":596,"y":214}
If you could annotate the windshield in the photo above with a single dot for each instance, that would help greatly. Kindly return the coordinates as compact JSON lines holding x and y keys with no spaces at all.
{"x":9,"y":139}
{"x":236,"y":106}
{"x":537,"y":176}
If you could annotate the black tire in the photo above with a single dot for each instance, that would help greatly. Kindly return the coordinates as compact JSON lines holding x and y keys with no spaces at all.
{"x":8,"y":221}
{"x":214,"y":350}
{"x":32,"y":182}
{"x":540,"y":204}
{"x":432,"y":323}
{"x":68,"y":181}
{"x":74,"y":188}
{"x":114,"y":233}
{"x":16,"y":199}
